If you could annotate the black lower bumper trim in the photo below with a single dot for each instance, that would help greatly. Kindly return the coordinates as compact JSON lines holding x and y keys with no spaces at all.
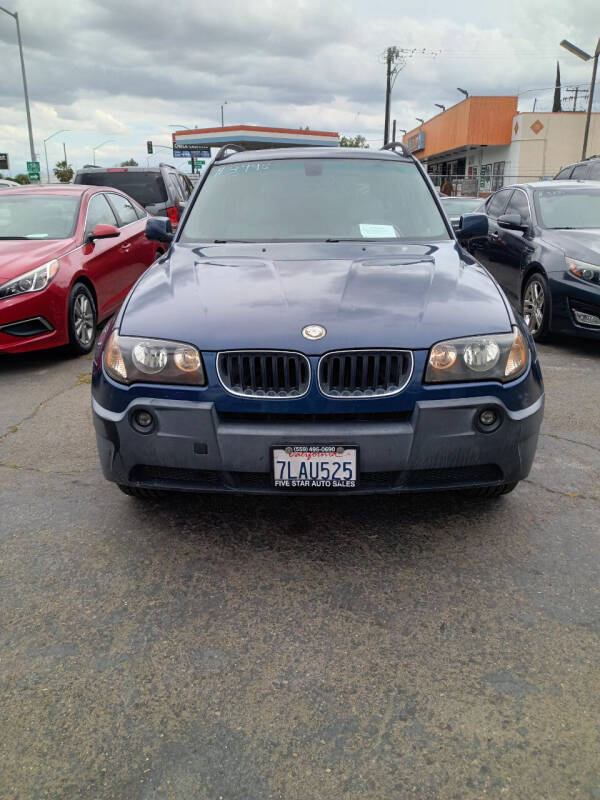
{"x":416,"y":479}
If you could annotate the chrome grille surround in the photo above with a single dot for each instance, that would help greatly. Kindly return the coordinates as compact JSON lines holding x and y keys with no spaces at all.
{"x":264,"y":374}
{"x":383,"y":373}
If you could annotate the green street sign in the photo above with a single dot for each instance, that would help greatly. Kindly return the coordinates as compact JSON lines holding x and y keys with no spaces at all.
{"x":33,"y":171}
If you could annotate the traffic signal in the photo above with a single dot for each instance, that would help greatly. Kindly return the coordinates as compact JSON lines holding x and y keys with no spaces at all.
{"x":149,"y":146}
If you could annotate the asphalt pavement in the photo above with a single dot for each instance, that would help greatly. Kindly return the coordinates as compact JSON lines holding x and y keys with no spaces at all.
{"x":246,"y":648}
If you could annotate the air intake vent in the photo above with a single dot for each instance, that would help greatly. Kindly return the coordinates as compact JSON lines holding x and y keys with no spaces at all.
{"x":365,"y":373}
{"x":27,"y":327}
{"x":264,"y":374}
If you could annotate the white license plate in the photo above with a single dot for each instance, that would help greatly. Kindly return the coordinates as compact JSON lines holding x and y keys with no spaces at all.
{"x":315,"y":467}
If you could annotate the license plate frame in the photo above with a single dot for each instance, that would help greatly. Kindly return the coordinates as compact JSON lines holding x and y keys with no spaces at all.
{"x":313,"y":485}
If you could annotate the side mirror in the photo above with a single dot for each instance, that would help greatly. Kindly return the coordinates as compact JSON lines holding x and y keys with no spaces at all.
{"x":103,"y":232}
{"x":471,"y":226}
{"x":512,"y":222}
{"x":158,"y":229}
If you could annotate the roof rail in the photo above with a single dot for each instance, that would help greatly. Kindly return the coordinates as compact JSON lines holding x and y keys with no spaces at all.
{"x":394,"y":145}
{"x":221,"y":154}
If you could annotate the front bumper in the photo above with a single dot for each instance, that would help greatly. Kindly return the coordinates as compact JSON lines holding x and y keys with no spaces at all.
{"x":569,"y":294}
{"x":436,"y":445}
{"x":33,"y":321}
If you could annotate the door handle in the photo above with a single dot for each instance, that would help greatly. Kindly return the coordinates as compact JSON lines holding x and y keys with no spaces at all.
{"x":126,"y":248}
{"x":494,"y":235}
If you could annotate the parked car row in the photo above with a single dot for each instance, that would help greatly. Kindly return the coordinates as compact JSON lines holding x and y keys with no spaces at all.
{"x":288,"y":340}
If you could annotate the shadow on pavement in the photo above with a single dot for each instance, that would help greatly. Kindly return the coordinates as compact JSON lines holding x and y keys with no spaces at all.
{"x":321,"y":528}
{"x":572,"y":345}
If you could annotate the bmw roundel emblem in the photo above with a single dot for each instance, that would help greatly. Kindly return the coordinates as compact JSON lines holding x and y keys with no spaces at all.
{"x":313,"y":332}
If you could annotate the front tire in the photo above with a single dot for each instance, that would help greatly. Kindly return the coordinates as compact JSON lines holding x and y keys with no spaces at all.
{"x":83,"y":320}
{"x":537,"y":306}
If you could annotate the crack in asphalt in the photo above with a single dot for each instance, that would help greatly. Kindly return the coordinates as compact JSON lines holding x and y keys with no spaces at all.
{"x":49,"y":471}
{"x":571,"y":495}
{"x":16,"y":427}
{"x":572,"y":441}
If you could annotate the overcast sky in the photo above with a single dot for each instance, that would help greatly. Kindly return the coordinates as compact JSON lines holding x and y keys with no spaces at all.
{"x":125,"y":70}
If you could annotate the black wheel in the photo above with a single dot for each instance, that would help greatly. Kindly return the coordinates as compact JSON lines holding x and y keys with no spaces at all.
{"x":492,"y":491}
{"x":537,"y":306}
{"x":141,"y":494}
{"x":83,"y":321}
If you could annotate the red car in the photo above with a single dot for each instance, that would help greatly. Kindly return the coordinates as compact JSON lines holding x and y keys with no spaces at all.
{"x":68,"y":256}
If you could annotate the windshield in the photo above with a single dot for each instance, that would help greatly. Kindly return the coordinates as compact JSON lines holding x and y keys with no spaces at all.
{"x":37,"y":217}
{"x":148,"y":188}
{"x":454,"y":206}
{"x":577,"y":207}
{"x":314,"y":199}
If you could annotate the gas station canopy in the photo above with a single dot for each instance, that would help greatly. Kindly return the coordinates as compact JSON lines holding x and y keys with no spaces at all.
{"x":251,"y":137}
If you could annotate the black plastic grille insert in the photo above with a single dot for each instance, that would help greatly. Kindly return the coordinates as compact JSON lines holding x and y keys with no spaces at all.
{"x":263,"y":373}
{"x":364,"y":373}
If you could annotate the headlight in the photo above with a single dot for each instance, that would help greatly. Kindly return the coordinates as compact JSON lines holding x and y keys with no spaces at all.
{"x":132,"y":359}
{"x":33,"y":281}
{"x":585,"y":272}
{"x":497,"y":357}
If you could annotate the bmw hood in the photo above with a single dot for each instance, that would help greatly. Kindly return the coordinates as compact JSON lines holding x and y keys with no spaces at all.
{"x":251,"y":296}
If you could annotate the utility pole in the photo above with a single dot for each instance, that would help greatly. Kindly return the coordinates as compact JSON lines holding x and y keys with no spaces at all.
{"x":394,"y":131}
{"x":65,"y":152}
{"x":590,"y":100}
{"x":15,"y":16}
{"x":391,"y":56}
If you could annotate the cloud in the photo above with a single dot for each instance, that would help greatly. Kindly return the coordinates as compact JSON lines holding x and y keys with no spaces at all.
{"x":107,"y":68}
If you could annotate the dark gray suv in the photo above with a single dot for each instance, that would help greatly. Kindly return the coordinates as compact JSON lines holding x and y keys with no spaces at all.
{"x":162,"y":190}
{"x":588,"y":170}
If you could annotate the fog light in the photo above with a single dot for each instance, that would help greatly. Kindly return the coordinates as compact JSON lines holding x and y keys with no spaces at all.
{"x":488,"y":420}
{"x":583,"y":318}
{"x":143,"y":420}
{"x":488,"y":417}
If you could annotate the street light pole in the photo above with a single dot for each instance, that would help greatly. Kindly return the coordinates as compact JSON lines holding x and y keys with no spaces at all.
{"x":577,"y":51}
{"x":222,"y":120}
{"x":64,"y":130}
{"x":98,"y":148}
{"x":15,"y":16}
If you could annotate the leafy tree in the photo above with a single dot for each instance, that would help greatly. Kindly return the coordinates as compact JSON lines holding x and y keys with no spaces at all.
{"x":63,"y":171}
{"x":22,"y":178}
{"x":353,"y":141}
{"x":130,"y":163}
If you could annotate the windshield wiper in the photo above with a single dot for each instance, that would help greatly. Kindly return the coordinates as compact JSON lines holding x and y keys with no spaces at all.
{"x":13,"y":237}
{"x":362,"y":239}
{"x":564,"y":228}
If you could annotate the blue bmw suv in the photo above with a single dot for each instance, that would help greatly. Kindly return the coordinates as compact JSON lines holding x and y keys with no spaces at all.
{"x":316,"y":326}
